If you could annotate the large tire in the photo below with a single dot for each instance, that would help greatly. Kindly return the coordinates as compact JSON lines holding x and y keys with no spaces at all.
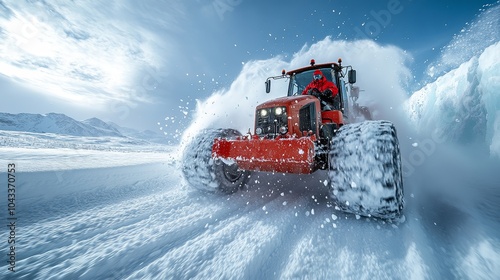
{"x":205,"y":173}
{"x":365,"y":170}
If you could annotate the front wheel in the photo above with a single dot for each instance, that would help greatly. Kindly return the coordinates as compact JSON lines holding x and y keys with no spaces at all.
{"x":208,"y":174}
{"x":365,"y":170}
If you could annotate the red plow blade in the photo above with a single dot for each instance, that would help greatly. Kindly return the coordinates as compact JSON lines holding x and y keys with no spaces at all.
{"x":286,"y":155}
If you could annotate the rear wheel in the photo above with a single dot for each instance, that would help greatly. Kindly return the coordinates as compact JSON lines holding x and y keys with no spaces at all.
{"x":365,"y":170}
{"x":367,"y":115}
{"x":208,"y":174}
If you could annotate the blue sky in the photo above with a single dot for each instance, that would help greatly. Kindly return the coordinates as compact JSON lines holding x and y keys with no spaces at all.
{"x":144,"y":64}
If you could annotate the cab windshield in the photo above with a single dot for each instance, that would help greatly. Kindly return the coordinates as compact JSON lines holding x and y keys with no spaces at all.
{"x":299,"y":81}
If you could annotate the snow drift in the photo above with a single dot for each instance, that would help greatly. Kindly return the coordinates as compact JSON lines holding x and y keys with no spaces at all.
{"x":463,"y":106}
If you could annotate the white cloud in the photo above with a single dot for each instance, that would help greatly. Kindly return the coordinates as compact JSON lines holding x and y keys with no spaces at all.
{"x":87,"y":52}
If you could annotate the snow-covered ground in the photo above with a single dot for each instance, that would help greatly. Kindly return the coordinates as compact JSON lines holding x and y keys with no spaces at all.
{"x":139,"y":220}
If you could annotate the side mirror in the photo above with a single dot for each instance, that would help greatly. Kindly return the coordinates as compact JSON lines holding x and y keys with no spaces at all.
{"x":268,"y":86}
{"x":352,"y":76}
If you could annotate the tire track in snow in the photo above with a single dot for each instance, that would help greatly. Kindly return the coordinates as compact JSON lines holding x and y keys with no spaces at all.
{"x":227,"y":248}
{"x":86,"y":189}
{"x":354,"y":249}
{"x":76,"y":237}
{"x":88,"y":223}
{"x":294,"y":222}
{"x":230,"y":209}
{"x":240,"y":225}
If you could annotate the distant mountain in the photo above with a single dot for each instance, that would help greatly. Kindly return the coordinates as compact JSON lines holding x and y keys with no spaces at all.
{"x":148,"y":135}
{"x":62,"y":124}
{"x":101,"y":125}
{"x":50,"y":123}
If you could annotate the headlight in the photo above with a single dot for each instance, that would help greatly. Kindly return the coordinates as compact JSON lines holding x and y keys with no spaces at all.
{"x":258,"y":130}
{"x":263,"y":112}
{"x":278,"y":111}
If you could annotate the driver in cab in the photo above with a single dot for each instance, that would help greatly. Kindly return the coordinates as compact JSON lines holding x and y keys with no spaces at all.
{"x":323,"y":89}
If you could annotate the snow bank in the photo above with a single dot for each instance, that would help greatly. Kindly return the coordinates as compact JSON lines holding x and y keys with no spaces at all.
{"x":462,"y":105}
{"x":495,"y":141}
{"x":489,"y":70}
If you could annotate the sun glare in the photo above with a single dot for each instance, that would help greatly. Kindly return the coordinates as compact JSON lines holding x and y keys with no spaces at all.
{"x":50,"y":56}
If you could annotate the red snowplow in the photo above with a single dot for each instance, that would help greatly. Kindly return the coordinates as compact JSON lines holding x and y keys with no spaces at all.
{"x":305,"y":133}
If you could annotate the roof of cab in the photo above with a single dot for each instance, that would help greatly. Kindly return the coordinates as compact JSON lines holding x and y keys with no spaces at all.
{"x":315,"y":66}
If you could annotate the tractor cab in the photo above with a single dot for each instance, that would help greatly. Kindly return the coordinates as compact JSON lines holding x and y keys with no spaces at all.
{"x":333,"y":72}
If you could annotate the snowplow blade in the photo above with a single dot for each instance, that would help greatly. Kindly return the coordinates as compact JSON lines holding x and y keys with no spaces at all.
{"x":288,"y":155}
